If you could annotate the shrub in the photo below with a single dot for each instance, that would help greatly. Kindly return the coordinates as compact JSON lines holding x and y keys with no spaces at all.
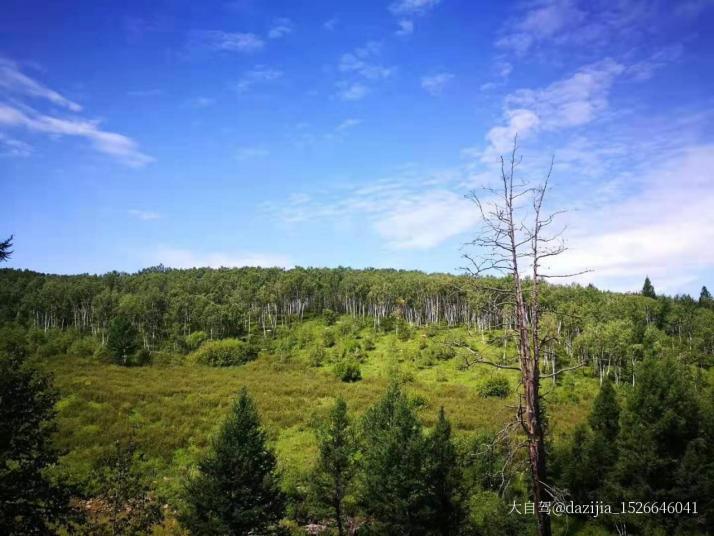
{"x":316,"y":355}
{"x":348,"y":370}
{"x":195,"y":339}
{"x":495,"y":386}
{"x":328,"y":338}
{"x":223,"y":353}
{"x":369,"y":344}
{"x":140,"y":358}
{"x":330,"y":316}
{"x":84,"y":347}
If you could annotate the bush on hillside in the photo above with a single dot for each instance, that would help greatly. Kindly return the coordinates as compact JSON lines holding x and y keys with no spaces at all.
{"x":348,"y":370}
{"x":224,"y":353}
{"x":495,"y":386}
{"x":195,"y":340}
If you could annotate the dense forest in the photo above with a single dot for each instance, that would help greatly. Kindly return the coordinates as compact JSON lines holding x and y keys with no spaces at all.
{"x":344,"y":401}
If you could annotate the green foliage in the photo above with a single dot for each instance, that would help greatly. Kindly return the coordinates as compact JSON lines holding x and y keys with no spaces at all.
{"x":393,"y":489}
{"x":194,"y":340}
{"x":658,"y":422}
{"x":122,"y":340}
{"x":648,"y":289}
{"x":126,"y":504}
{"x":335,"y":467}
{"x":236,"y":489}
{"x":348,"y":370}
{"x":223,"y":353}
{"x":495,"y":386}
{"x":30,"y":503}
{"x":445,"y":480}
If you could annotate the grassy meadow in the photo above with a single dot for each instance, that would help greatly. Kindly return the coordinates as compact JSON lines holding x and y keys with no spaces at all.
{"x":171,"y":407}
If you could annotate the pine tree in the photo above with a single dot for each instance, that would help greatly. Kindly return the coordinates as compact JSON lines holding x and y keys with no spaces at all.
{"x":5,"y":250}
{"x":605,"y":415}
{"x":444,"y":479}
{"x":659,"y":421}
{"x":394,"y":492}
{"x":336,"y":462}
{"x":705,"y":297}
{"x":648,"y":289}
{"x":121,"y":340}
{"x":29,"y":502}
{"x":236,"y":490}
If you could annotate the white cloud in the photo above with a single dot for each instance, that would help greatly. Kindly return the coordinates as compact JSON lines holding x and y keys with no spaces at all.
{"x":258,"y":75}
{"x":225,"y":41}
{"x":406,"y":28}
{"x":14,"y":148}
{"x":576,"y":22}
{"x":185,"y":258}
{"x":15,"y":84}
{"x":348,"y":124}
{"x":435,"y":84}
{"x":111,"y":143}
{"x":144,"y":215}
{"x":426,"y":220}
{"x":567,"y":103}
{"x":330,"y":24}
{"x":361,"y":62}
{"x":352,"y":92}
{"x":280,"y":28}
{"x":14,"y":81}
{"x":246,"y":153}
{"x":412,"y":7}
{"x":664,"y":229}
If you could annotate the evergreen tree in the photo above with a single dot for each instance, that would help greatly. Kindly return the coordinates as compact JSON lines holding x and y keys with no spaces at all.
{"x":336,"y":462}
{"x":648,"y":289}
{"x":592,"y":451}
{"x":394,"y":492}
{"x":705,"y":297}
{"x":5,"y":250}
{"x":605,"y":415}
{"x":121,"y":340}
{"x":659,"y":421}
{"x":236,"y":490}
{"x":444,"y":478}
{"x":29,"y":502}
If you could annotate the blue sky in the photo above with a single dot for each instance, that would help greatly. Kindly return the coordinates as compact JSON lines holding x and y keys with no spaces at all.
{"x":347,"y":133}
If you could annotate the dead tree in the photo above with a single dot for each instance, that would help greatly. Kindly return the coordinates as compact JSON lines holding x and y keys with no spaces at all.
{"x":515,"y":241}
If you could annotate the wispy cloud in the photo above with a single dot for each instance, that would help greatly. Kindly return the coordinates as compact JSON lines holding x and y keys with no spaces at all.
{"x":221,"y":41}
{"x":11,"y":147}
{"x":361,"y":67}
{"x":201,"y":102}
{"x":331,"y":24}
{"x":351,"y":92}
{"x":405,"y":28}
{"x":435,"y":84}
{"x":246,"y":153}
{"x":280,"y":28}
{"x":348,"y":124}
{"x":362,"y":62}
{"x":258,"y":75}
{"x":407,"y":10}
{"x":154,"y":92}
{"x":570,"y":102}
{"x":667,"y":218}
{"x":412,"y":7}
{"x":16,"y":85}
{"x":12,"y":80}
{"x":144,"y":215}
{"x":575,"y":22}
